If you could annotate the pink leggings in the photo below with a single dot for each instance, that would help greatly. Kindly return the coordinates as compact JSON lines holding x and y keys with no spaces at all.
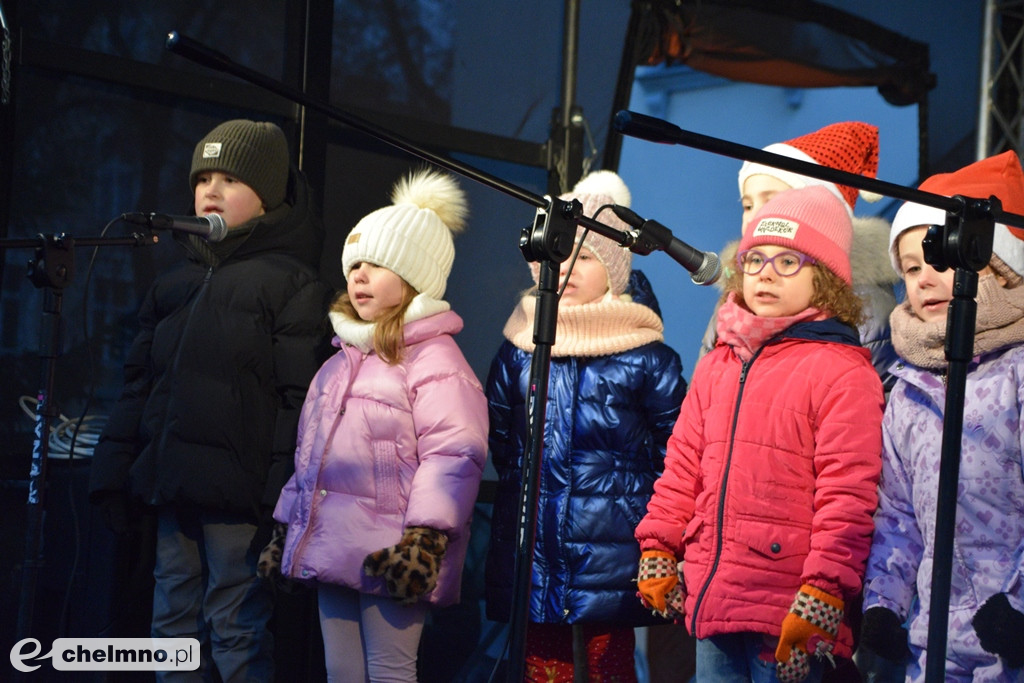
{"x":387,"y":633}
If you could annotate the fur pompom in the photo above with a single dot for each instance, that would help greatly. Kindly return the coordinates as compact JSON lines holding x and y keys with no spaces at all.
{"x":437,"y":191}
{"x":607,"y":183}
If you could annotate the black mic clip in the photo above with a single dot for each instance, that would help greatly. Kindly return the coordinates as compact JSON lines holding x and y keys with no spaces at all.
{"x":553,"y":233}
{"x":649,"y":235}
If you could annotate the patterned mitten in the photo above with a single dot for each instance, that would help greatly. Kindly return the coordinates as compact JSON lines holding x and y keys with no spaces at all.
{"x":810,"y":628}
{"x":410,"y":567}
{"x":659,"y":585}
{"x":882,"y":632}
{"x":269,"y":564}
{"x":1000,"y":630}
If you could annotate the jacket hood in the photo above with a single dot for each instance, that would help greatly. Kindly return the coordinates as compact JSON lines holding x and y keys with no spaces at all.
{"x":869,"y":255}
{"x":829,"y":330}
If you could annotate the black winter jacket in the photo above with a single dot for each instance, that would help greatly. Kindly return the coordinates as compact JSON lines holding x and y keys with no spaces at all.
{"x":214,"y":381}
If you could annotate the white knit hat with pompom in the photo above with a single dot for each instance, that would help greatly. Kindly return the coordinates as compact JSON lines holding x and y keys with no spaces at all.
{"x":413,"y":237}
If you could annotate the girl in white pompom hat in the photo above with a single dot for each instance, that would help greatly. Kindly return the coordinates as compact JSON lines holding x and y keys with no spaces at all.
{"x":392,"y":441}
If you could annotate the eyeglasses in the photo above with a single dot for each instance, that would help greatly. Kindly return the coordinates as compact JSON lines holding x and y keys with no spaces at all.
{"x":785,"y":263}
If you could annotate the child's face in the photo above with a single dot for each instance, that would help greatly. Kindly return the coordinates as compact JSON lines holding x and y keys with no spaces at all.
{"x":928,"y":291}
{"x":757,"y":190}
{"x":221,"y":193}
{"x":588,"y":282}
{"x":373,"y":290}
{"x":770,"y":295}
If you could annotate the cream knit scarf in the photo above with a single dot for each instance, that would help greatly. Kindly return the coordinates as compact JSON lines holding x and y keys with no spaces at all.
{"x":359,"y":333}
{"x":596,"y":329}
{"x":999,"y":323}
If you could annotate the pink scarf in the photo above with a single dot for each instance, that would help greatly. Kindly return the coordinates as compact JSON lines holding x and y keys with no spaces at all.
{"x":746,"y":332}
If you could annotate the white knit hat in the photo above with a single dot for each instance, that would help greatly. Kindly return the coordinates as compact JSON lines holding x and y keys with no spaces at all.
{"x":413,"y":237}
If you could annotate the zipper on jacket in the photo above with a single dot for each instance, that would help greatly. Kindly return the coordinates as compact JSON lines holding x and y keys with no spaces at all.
{"x":745,"y":368}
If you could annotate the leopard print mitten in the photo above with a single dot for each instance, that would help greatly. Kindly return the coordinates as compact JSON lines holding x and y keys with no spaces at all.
{"x":269,"y":564}
{"x":410,"y":567}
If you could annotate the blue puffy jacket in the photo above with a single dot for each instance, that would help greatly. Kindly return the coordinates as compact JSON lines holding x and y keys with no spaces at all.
{"x":608,"y":420}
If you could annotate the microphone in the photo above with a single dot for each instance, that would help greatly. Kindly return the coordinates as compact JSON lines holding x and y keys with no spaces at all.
{"x":705,"y":267}
{"x":646,"y":127}
{"x":210,"y":227}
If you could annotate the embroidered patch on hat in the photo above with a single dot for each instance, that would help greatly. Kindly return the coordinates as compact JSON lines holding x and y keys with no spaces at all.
{"x":353,"y":237}
{"x":211,"y":150}
{"x":775,"y":227}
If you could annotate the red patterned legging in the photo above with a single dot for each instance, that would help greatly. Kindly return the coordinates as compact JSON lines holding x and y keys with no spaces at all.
{"x":549,"y":654}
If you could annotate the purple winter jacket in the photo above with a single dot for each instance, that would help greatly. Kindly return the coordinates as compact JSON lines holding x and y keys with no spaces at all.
{"x":989,"y":542}
{"x":383,"y":447}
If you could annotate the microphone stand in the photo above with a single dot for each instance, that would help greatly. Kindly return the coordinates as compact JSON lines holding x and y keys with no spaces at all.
{"x":963,"y":243}
{"x":51,"y":269}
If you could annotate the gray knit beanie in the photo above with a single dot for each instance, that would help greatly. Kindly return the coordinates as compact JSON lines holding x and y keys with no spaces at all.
{"x":255,"y":152}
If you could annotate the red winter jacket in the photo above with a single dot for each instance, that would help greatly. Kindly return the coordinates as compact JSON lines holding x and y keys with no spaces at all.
{"x":770,"y":480}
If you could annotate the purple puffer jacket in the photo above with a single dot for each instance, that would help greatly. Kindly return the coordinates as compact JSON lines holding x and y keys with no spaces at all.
{"x":383,"y":447}
{"x":989,"y":544}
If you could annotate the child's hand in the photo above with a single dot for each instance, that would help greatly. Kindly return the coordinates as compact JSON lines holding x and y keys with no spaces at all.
{"x":1000,"y":630}
{"x":658,"y":583}
{"x":810,"y":628}
{"x":410,"y":567}
{"x":269,"y":564}
{"x":883,"y":633}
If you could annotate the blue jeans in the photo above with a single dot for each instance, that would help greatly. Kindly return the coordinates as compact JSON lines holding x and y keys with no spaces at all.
{"x":734,"y":657}
{"x":206,"y":588}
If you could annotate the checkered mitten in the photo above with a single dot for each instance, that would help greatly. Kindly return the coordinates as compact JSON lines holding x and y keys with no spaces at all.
{"x":409,"y":567}
{"x":810,"y":628}
{"x":659,"y":585}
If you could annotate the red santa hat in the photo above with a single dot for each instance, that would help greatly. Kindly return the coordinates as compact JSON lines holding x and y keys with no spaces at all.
{"x":849,"y":146}
{"x":1001,"y":176}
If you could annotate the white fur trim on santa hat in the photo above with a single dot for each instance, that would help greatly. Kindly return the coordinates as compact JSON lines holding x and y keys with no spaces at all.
{"x":794,"y":180}
{"x":1008,"y":248}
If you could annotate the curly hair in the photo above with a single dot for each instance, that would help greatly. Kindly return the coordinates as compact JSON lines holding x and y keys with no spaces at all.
{"x":831,"y":294}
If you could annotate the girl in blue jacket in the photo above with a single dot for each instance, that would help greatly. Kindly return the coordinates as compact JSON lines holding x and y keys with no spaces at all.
{"x":614,"y":393}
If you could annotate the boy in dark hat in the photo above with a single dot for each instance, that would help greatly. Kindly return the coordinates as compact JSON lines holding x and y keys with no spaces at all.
{"x":204,"y":431}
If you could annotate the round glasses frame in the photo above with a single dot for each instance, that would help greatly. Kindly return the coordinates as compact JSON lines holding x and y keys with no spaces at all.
{"x":785,"y":263}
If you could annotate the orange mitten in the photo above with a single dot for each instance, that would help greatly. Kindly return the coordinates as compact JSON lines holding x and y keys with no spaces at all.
{"x":658,"y":583}
{"x":810,"y":628}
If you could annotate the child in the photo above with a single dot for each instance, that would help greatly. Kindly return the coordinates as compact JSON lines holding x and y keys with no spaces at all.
{"x":392,"y":441}
{"x":771,"y":471}
{"x":614,"y":392}
{"x":849,"y":146}
{"x":205,"y":428}
{"x":986,"y":611}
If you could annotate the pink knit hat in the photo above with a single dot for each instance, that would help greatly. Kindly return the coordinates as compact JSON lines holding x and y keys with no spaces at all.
{"x":849,"y":146}
{"x":809,"y":220}
{"x":594,"y":191}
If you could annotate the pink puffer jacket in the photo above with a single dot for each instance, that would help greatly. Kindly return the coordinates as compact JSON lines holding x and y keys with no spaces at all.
{"x":383,"y":447}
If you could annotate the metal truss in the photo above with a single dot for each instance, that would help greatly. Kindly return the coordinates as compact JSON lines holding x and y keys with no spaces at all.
{"x":1001,"y":114}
